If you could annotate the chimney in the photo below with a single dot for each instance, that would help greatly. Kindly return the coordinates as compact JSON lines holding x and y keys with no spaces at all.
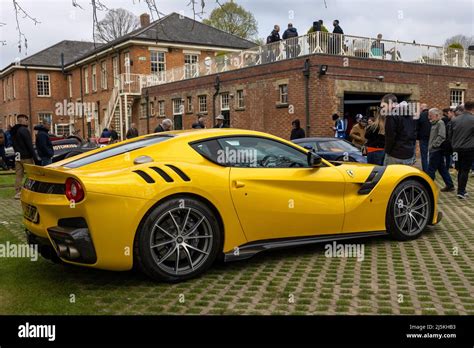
{"x":145,"y":20}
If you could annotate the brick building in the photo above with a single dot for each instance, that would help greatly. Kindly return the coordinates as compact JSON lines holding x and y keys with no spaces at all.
{"x":85,"y":87}
{"x":268,"y":97}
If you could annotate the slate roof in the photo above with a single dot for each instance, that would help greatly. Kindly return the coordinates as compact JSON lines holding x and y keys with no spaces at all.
{"x":173,"y":28}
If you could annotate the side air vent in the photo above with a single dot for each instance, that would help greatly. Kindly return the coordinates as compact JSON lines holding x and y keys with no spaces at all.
{"x":178,"y":171}
{"x":372,"y":180}
{"x":163,"y":174}
{"x":145,"y":176}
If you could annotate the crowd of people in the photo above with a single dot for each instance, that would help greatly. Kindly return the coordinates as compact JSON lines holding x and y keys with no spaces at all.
{"x":292,"y":46}
{"x":445,"y":138}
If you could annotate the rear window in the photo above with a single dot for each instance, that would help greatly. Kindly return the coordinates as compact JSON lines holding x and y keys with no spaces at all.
{"x":118,"y":150}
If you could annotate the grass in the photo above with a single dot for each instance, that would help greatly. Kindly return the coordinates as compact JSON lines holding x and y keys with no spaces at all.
{"x":7,"y":183}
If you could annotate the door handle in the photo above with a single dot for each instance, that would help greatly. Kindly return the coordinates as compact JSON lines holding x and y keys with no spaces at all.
{"x":237,"y":184}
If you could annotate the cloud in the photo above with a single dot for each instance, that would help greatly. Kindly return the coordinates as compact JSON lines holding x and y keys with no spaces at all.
{"x":429,"y":22}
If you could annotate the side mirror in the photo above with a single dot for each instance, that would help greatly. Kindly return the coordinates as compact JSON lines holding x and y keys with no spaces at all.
{"x":308,"y":147}
{"x":314,"y":160}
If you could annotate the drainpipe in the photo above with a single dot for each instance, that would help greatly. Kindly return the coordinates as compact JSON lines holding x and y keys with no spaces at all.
{"x":217,"y":87}
{"x":29,"y":99}
{"x":147,"y":100}
{"x":82,"y":103}
{"x":306,"y":73}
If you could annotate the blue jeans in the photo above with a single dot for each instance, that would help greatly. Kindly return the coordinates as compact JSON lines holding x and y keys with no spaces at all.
{"x":376,"y":157}
{"x":448,"y":159}
{"x":46,"y":161}
{"x":424,"y":154}
{"x":437,"y":164}
{"x":392,"y":160}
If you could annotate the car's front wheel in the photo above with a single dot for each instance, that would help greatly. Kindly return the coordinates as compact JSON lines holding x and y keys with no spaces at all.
{"x":178,"y":240}
{"x":408,"y":211}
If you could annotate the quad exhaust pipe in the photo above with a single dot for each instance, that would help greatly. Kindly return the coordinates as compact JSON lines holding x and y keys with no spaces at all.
{"x":68,"y":252}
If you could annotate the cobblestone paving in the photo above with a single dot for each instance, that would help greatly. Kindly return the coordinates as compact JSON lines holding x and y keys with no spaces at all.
{"x":431,"y":275}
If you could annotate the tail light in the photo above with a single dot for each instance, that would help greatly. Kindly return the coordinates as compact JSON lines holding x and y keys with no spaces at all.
{"x":74,"y":191}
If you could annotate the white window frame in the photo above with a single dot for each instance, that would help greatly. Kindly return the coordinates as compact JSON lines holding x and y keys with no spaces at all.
{"x":456,"y":97}
{"x":69,"y":85}
{"x":283,"y":95}
{"x":86,"y":80}
{"x":161,"y":108}
{"x":94,"y":77}
{"x":189,"y":104}
{"x":225,"y":101}
{"x":63,"y":125}
{"x":143,"y":110}
{"x":45,"y":83}
{"x":191,"y":65}
{"x":152,"y":108}
{"x":240,"y":99}
{"x":115,"y":71}
{"x":178,"y":110}
{"x":158,"y":64}
{"x":41,"y":116}
{"x":103,"y":74}
{"x":202,"y":99}
{"x":127,"y":64}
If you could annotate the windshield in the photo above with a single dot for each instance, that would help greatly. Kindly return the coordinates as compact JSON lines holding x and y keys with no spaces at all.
{"x":336,"y":146}
{"x":118,"y":150}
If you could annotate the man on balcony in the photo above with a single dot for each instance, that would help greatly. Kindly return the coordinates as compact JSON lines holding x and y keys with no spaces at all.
{"x":336,"y":47}
{"x":292,"y":47}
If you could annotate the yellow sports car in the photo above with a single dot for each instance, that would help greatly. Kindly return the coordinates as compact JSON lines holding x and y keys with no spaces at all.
{"x":171,"y":203}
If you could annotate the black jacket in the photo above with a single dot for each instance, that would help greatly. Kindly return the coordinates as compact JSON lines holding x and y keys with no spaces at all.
{"x":423,"y":126}
{"x":159,"y":129}
{"x":446,"y":145}
{"x":297,"y":133}
{"x":44,"y":147}
{"x":273,"y":37}
{"x":338,"y":30}
{"x":289,"y":33}
{"x":198,"y":125}
{"x":22,"y":142}
{"x":400,"y":134}
{"x":374,"y":138}
{"x":132,"y":133}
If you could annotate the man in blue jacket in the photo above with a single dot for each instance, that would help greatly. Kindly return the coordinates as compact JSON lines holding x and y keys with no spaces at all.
{"x":44,"y":147}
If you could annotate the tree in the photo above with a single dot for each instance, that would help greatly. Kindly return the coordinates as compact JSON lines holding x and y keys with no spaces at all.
{"x":463,"y":40}
{"x":116,"y":23}
{"x":234,"y":19}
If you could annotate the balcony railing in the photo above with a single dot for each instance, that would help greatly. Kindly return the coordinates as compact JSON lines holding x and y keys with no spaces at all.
{"x":314,"y":43}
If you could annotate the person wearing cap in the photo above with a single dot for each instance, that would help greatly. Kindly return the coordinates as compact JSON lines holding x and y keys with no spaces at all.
{"x":220,"y":122}
{"x":357,"y":134}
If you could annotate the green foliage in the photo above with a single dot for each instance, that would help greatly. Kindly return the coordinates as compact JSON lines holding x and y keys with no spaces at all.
{"x":456,"y":45}
{"x":234,"y":19}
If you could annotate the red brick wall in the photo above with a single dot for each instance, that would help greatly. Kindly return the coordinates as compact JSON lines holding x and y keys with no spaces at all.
{"x":261,"y":90}
{"x":60,"y":89}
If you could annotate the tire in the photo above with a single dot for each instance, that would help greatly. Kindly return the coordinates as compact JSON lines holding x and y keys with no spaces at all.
{"x":409,"y":210}
{"x":166,"y":250}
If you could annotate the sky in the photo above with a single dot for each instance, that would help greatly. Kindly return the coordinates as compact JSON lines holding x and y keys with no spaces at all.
{"x":426,"y":21}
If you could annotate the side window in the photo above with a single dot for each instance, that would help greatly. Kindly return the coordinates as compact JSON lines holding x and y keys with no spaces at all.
{"x":209,"y":149}
{"x":256,"y":152}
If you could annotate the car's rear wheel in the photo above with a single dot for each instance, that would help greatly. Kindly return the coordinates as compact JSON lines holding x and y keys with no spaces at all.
{"x":178,"y":240}
{"x":408,"y":211}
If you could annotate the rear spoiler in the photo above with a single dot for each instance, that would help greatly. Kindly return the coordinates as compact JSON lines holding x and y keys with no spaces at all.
{"x":48,"y":174}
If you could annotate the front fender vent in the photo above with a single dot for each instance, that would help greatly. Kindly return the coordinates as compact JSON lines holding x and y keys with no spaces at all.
{"x":178,"y":171}
{"x":144,"y":176}
{"x":372,"y":180}
{"x":163,"y":174}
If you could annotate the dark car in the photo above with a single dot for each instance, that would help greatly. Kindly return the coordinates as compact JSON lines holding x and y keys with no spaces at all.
{"x":63,"y":148}
{"x":333,"y":149}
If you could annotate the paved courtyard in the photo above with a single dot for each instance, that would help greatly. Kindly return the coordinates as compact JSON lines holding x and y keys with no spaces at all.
{"x":431,"y":275}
